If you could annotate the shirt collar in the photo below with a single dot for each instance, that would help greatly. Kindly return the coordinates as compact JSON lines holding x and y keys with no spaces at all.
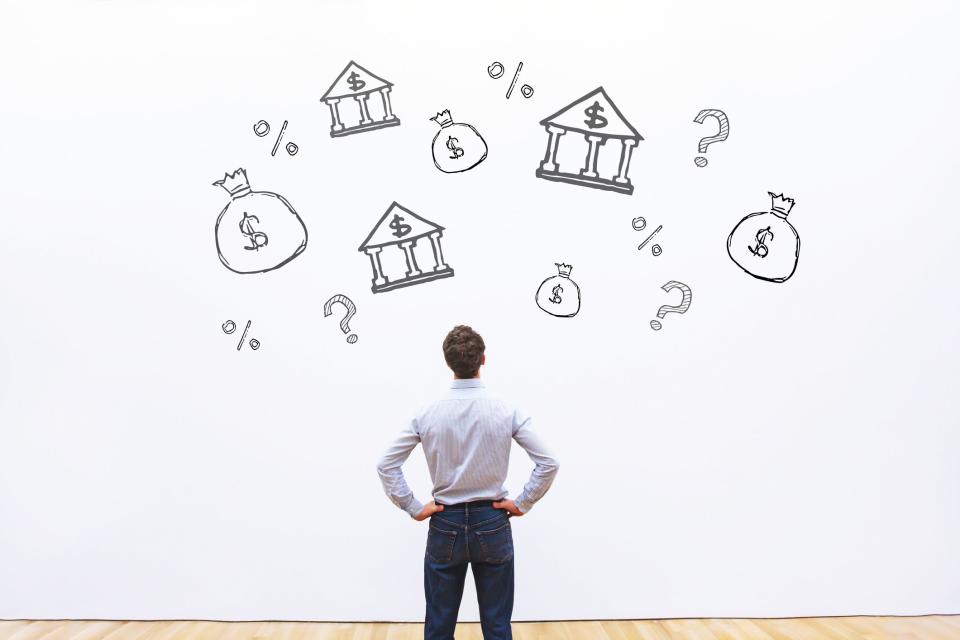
{"x":469,"y":383}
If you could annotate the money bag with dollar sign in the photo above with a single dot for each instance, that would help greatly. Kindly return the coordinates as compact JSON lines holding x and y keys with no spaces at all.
{"x":559,"y":295}
{"x":457,"y":146}
{"x":765,"y":244}
{"x":257,"y":231}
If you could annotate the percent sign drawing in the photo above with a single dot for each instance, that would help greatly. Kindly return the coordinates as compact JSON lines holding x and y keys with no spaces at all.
{"x":640,"y":224}
{"x":496,"y":70}
{"x":262,"y":128}
{"x":230,"y":326}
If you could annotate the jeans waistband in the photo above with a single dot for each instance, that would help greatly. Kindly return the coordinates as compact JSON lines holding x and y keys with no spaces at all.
{"x":471,"y":504}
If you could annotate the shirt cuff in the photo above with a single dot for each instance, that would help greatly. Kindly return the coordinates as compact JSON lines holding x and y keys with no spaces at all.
{"x":522,"y":506}
{"x":414,"y":508}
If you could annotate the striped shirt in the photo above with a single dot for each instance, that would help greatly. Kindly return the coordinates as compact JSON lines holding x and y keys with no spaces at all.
{"x":466,"y":439}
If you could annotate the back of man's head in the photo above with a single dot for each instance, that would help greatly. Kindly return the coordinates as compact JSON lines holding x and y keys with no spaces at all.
{"x":463,"y":350}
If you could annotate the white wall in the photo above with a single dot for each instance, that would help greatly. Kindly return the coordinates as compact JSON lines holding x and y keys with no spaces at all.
{"x":780,"y":449}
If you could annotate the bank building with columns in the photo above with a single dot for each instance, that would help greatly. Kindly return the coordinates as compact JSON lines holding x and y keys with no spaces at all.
{"x":590,"y":144}
{"x":404,"y":249}
{"x":359,"y":101}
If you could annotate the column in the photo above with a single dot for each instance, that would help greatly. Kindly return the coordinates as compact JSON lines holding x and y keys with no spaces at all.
{"x":590,"y":167}
{"x":438,"y":252}
{"x":412,"y":268}
{"x":387,"y":109}
{"x":550,"y":160}
{"x":335,"y":114}
{"x":374,"y":254}
{"x":364,"y":112}
{"x":625,"y":154}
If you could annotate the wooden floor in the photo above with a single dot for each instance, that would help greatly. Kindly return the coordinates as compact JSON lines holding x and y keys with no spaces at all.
{"x":853,"y":628}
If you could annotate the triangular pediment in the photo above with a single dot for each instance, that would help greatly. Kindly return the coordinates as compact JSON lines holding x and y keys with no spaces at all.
{"x":383,"y":234}
{"x":594,"y":113}
{"x":354,"y":80}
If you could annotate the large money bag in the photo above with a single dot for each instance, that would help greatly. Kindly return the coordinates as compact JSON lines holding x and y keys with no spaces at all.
{"x":765,"y":244}
{"x":559,"y":295}
{"x":257,"y":231}
{"x":457,"y":146}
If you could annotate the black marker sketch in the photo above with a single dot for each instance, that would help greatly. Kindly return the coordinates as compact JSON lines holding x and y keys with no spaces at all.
{"x":262,"y":128}
{"x":230,"y":326}
{"x":457,"y":146}
{"x":655,"y":249}
{"x":639,"y":224}
{"x":351,"y":311}
{"x":680,"y":308}
{"x":496,"y":70}
{"x":559,"y":295}
{"x":358,"y":83}
{"x":598,"y":119}
{"x":258,"y":231}
{"x":721,"y":117}
{"x":401,"y":228}
{"x":765,"y":244}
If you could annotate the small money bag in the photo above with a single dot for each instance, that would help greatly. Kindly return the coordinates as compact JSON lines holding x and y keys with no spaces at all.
{"x":457,"y":146}
{"x":257,"y":231}
{"x":559,"y":295}
{"x":765,"y":244}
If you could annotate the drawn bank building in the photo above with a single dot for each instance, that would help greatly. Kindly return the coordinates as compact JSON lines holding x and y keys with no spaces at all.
{"x":359,"y":101}
{"x":590,"y":144}
{"x":401,"y":248}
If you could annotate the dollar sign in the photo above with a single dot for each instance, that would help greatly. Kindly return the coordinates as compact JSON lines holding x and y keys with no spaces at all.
{"x":452,"y":145}
{"x":763,"y":236}
{"x":257,"y":238}
{"x":355,"y":82}
{"x":596,"y":121}
{"x":556,"y":299}
{"x":399,"y":228}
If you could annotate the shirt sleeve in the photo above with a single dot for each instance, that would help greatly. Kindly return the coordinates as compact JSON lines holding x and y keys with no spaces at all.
{"x":546,"y":464}
{"x":391,"y":475}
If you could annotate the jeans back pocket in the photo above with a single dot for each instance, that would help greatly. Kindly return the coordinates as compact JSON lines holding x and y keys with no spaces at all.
{"x":496,"y":545}
{"x":440,"y":544}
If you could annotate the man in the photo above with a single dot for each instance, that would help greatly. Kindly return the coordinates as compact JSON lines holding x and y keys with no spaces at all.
{"x":466,"y":439}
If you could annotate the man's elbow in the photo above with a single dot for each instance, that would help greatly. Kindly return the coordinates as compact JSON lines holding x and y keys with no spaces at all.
{"x":550,"y":466}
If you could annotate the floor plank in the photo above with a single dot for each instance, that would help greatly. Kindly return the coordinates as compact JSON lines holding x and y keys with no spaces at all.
{"x":940,"y":627}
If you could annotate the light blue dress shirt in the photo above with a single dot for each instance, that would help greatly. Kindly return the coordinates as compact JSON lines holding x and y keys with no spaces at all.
{"x":466,"y":438}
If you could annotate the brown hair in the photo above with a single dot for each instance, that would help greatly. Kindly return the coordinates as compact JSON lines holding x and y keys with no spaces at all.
{"x":463,"y":349}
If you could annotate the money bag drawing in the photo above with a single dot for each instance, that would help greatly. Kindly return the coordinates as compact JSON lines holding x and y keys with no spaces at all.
{"x":457,"y":146}
{"x":765,"y":244}
{"x":257,"y":231}
{"x":349,"y":100}
{"x":598,"y":119}
{"x":559,"y":295}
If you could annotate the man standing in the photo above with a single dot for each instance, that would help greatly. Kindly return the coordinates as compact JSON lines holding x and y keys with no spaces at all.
{"x":466,"y":439}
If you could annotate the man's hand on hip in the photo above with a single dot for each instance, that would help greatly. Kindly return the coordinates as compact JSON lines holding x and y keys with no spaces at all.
{"x":428,"y":510}
{"x":509,"y":505}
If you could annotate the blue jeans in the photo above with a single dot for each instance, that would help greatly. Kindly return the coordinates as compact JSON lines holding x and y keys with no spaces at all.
{"x":469,"y":533}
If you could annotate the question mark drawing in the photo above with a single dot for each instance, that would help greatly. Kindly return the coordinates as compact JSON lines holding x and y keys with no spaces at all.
{"x":351,"y":311}
{"x":721,"y":117}
{"x":680,"y":308}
